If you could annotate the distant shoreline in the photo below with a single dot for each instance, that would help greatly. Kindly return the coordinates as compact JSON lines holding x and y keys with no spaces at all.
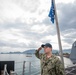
{"x":66,"y":51}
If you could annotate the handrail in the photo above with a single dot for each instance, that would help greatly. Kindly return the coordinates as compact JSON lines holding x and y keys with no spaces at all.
{"x":29,"y":68}
{"x":5,"y":70}
{"x":25,"y":70}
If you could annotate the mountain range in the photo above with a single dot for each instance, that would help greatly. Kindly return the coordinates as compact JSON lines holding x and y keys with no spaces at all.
{"x":32,"y":51}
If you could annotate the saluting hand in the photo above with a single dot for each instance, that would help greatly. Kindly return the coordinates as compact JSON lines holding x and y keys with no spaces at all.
{"x":39,"y":48}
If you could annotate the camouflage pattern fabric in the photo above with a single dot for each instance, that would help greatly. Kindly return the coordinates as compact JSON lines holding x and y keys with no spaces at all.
{"x":50,"y":66}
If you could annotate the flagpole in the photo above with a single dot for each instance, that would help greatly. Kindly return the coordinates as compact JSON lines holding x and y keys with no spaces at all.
{"x":58,"y":34}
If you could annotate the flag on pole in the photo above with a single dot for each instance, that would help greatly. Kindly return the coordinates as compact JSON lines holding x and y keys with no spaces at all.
{"x":52,"y":12}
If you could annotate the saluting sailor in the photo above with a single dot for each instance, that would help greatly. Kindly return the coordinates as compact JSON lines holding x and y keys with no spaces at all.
{"x":50,"y":64}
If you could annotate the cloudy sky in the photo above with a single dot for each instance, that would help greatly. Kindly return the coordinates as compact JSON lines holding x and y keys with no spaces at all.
{"x":24,"y":24}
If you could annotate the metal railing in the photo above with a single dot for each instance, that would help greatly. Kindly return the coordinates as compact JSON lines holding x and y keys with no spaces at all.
{"x":71,"y":70}
{"x":30,"y":68}
{"x":27,"y":68}
{"x":5,"y":70}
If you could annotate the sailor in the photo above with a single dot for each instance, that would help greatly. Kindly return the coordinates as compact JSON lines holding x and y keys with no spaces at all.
{"x":50,"y":64}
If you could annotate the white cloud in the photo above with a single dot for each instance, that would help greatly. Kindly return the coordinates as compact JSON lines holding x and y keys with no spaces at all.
{"x":24,"y":25}
{"x":64,"y":1}
{"x":10,"y":11}
{"x":39,"y":28}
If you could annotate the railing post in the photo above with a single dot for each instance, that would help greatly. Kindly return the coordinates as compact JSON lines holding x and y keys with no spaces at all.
{"x":23,"y":68}
{"x":5,"y":70}
{"x":29,"y":68}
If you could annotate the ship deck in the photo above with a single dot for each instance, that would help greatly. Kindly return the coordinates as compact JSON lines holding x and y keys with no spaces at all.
{"x":71,"y":70}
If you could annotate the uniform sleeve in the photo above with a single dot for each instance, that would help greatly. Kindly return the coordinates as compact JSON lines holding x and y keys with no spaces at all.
{"x":38,"y":55}
{"x":59,"y":68}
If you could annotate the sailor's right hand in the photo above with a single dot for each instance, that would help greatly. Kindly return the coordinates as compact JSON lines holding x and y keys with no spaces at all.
{"x":40,"y":48}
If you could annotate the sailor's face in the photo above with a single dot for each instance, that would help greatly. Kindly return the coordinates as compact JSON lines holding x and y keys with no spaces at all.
{"x":47,"y":49}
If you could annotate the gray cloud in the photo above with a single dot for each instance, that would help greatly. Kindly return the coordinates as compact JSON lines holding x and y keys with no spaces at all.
{"x":68,"y":18}
{"x":67,"y":21}
{"x":15,"y":44}
{"x":69,"y":36}
{"x":25,"y":29}
{"x":12,"y":45}
{"x":8,"y":25}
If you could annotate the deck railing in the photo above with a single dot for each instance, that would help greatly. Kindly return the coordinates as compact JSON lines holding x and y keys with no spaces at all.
{"x":27,"y":68}
{"x":30,"y":68}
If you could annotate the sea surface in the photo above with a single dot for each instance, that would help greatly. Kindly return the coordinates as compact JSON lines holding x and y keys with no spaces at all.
{"x":32,"y":64}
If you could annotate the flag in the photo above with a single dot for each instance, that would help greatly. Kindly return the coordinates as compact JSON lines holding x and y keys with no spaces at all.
{"x":52,"y":12}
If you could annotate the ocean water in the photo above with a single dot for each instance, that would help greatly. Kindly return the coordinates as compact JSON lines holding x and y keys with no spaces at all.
{"x":32,"y":64}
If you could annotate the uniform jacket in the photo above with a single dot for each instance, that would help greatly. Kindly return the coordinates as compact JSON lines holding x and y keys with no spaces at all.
{"x":50,"y":66}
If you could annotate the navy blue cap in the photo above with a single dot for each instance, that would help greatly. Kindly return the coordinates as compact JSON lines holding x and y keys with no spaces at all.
{"x":46,"y":45}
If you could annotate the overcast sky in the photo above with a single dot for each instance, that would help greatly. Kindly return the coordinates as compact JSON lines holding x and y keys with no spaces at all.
{"x":24,"y":24}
